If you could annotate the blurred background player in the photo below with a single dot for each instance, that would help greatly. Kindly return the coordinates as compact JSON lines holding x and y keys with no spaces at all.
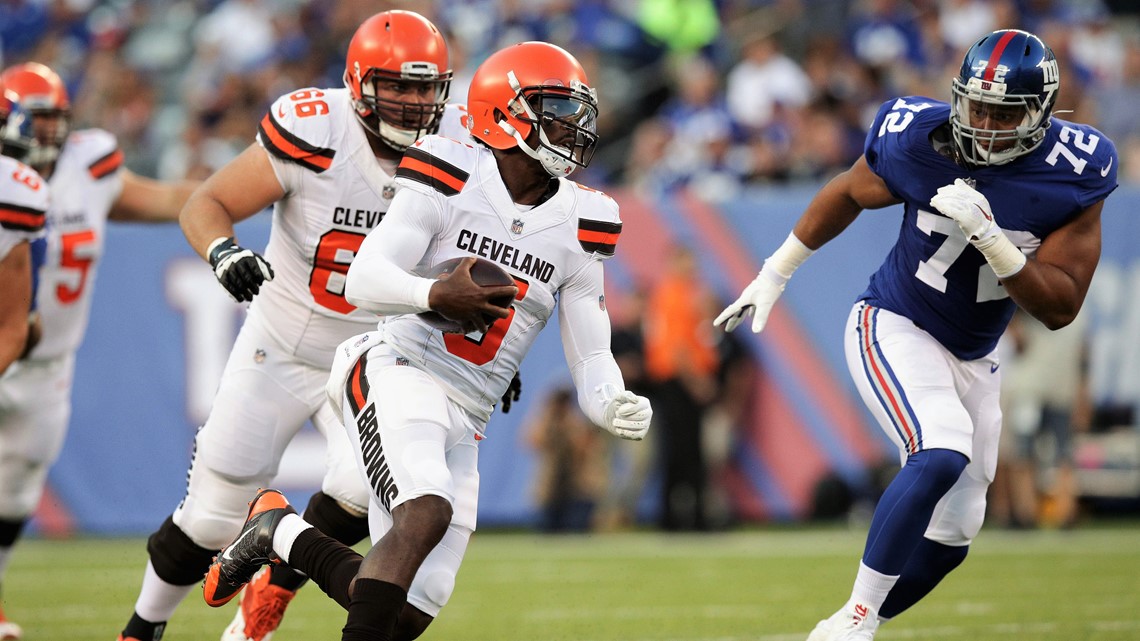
{"x":921,"y":340}
{"x":325,"y":160}
{"x":416,"y":434}
{"x":89,"y":185}
{"x":23,"y":209}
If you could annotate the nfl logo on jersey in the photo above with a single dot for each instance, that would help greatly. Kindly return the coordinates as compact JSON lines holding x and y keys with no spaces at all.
{"x":389,"y":192}
{"x":517,"y":226}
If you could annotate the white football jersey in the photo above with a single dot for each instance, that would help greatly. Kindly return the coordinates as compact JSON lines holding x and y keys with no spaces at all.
{"x":336,"y":191}
{"x":554,"y":252}
{"x":23,"y":201}
{"x":84,"y":186}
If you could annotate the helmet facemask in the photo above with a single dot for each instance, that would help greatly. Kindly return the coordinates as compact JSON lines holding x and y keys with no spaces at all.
{"x":51,"y":126}
{"x":17,"y":137}
{"x":550,"y":109}
{"x":982,"y":146}
{"x":400,"y":123}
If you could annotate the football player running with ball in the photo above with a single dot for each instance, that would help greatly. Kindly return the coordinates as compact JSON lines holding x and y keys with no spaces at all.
{"x":1001,"y":207}
{"x":89,"y":186}
{"x":416,"y":401}
{"x":325,"y":159}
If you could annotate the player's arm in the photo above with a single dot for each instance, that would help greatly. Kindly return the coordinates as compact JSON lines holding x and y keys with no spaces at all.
{"x":1052,"y":288}
{"x":830,"y":211}
{"x":243,"y":187}
{"x":839,"y":203}
{"x":145,"y":200}
{"x":380,"y":279}
{"x":15,"y":301}
{"x":585,"y":328}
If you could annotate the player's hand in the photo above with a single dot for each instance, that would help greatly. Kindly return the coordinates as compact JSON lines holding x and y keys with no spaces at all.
{"x":756,"y":299}
{"x":969,"y":208}
{"x":512,"y":393}
{"x":458,"y":297}
{"x":241,"y":271}
{"x":628,"y":416}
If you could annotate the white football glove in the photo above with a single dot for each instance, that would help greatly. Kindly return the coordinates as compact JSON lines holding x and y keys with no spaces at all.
{"x":241,"y":271}
{"x":757,"y":298}
{"x":628,"y":416}
{"x":969,"y":208}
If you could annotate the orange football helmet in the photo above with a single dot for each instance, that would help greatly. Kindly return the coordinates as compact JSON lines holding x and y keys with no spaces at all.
{"x":535,"y":86}
{"x":402,"y":54}
{"x":43,"y":94}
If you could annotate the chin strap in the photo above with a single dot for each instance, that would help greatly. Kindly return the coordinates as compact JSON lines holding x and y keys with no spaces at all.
{"x":555,"y":160}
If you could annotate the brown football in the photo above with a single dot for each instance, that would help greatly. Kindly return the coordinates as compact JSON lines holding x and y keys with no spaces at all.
{"x":484,"y":273}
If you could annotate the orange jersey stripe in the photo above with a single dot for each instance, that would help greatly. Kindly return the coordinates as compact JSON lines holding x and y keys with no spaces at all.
{"x":277,"y":138}
{"x":590,"y":236}
{"x":107,"y":164}
{"x":28,"y":220}
{"x":432,"y":172}
{"x":356,"y":385}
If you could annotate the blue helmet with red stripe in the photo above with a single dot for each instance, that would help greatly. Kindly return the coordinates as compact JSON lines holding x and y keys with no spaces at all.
{"x":1003,"y":97}
{"x":17,"y":137}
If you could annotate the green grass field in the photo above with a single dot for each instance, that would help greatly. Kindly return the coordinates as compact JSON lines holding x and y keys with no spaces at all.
{"x":763,"y":585}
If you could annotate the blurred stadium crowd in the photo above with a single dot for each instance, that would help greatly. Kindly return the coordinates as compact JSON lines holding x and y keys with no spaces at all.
{"x":712,"y":94}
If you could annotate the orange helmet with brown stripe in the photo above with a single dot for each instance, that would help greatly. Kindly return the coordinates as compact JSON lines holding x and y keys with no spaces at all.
{"x":41,"y":91}
{"x":398,"y":71}
{"x":535,"y":87}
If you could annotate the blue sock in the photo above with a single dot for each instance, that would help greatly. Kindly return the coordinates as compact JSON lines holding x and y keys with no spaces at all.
{"x":927,"y":565}
{"x":904,"y":511}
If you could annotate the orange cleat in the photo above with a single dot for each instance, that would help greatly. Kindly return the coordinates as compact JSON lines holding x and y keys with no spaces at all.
{"x":253,"y":548}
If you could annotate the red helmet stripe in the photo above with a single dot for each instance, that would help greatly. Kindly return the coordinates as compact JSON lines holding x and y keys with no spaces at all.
{"x":999,"y":48}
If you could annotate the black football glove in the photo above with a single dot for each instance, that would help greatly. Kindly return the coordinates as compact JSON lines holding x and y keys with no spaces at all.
{"x":241,"y":271}
{"x":512,"y":393}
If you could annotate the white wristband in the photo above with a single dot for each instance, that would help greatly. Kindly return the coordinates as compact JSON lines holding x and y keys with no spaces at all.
{"x":1002,"y":255}
{"x":217,"y":241}
{"x":785,"y":260}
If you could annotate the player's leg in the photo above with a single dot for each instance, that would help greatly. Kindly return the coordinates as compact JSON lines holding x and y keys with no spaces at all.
{"x":260,"y":405}
{"x":404,"y":450}
{"x":958,"y":517}
{"x":339,"y":510}
{"x":909,"y":383}
{"x":35,"y":405}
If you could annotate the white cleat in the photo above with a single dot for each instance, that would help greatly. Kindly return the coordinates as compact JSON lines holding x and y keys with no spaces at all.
{"x":10,"y":631}
{"x":853,"y":622}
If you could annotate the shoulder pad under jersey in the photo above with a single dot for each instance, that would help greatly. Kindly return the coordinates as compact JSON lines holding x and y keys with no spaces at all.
{"x":23,"y":198}
{"x":299,"y":128}
{"x":599,"y":233}
{"x":97,"y":150}
{"x":435,"y":163}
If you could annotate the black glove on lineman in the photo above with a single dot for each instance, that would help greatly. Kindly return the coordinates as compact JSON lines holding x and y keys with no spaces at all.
{"x":241,"y":271}
{"x":512,"y":393}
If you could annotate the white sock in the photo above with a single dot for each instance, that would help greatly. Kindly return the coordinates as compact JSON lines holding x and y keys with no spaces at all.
{"x":158,"y":599}
{"x":871,"y":587}
{"x":286,"y":534}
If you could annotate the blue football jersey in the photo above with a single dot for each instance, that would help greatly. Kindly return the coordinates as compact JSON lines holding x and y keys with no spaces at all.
{"x":933,"y":275}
